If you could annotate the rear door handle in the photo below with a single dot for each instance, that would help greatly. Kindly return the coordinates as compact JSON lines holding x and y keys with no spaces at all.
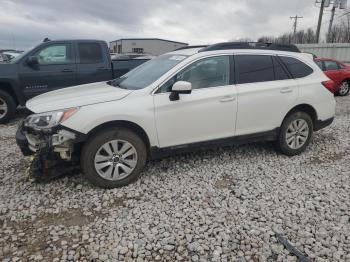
{"x":286,"y":90}
{"x":101,"y":68}
{"x":67,"y":70}
{"x":228,"y":99}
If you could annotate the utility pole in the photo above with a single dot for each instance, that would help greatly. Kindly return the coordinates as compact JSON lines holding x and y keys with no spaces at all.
{"x":331,"y":24}
{"x":341,"y":4}
{"x":319,"y":21}
{"x":295,"y":24}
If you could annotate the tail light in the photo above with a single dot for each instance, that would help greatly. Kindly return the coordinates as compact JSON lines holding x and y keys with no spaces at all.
{"x":330,"y":85}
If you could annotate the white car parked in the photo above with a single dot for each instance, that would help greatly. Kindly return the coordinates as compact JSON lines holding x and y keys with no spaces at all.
{"x":222,"y":94}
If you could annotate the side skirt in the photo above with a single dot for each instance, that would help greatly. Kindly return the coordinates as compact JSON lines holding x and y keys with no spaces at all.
{"x":157,"y":153}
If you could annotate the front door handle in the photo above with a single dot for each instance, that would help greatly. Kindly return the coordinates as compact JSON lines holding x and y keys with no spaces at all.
{"x":227,"y":99}
{"x":286,"y":90}
{"x":67,"y":70}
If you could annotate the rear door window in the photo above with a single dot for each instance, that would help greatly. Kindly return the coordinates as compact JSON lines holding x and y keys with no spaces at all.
{"x":254,"y":68}
{"x":280,"y":72}
{"x":297,"y":68}
{"x":90,"y":53}
{"x":331,"y":65}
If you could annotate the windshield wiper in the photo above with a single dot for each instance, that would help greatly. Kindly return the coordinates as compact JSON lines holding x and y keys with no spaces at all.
{"x":115,"y":84}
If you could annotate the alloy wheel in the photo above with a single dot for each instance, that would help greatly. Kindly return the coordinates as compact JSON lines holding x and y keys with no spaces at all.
{"x":115,"y":160}
{"x":3,"y":108}
{"x":344,"y":88}
{"x":297,"y":133}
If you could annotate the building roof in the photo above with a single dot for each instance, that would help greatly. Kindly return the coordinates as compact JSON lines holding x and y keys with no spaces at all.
{"x":159,"y":39}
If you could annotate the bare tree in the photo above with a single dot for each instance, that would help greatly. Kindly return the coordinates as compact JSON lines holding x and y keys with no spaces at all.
{"x":340,"y":32}
{"x":243,"y":39}
{"x":300,"y":37}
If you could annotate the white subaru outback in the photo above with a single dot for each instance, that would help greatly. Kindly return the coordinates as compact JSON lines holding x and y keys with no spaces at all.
{"x":191,"y":98}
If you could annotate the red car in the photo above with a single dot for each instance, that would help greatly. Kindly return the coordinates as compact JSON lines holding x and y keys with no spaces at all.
{"x":338,"y":72}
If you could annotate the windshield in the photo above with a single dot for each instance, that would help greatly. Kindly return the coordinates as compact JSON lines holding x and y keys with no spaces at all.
{"x":17,"y":58}
{"x":148,"y":72}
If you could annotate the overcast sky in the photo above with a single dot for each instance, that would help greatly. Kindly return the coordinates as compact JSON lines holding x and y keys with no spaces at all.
{"x":24,"y":23}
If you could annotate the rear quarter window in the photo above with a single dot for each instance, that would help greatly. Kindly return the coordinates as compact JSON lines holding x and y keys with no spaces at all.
{"x":320,"y":64}
{"x":297,"y":68}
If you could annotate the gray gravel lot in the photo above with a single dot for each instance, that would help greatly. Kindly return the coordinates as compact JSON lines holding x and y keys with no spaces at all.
{"x":218,"y":205}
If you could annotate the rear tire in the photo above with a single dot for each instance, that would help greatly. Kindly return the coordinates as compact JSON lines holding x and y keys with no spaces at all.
{"x":344,"y":88}
{"x":113,"y":158}
{"x":7,"y":107}
{"x":295,"y":133}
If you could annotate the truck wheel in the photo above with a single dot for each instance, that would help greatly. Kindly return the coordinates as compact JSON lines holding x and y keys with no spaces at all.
{"x":113,"y":158}
{"x":295,"y":133}
{"x":344,"y":88}
{"x":7,"y":106}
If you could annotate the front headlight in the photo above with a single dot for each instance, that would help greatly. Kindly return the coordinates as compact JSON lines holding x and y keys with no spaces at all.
{"x":49,"y":119}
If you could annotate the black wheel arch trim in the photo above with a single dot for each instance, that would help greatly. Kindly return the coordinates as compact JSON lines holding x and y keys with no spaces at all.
{"x":306,"y":108}
{"x":323,"y":123}
{"x":12,"y":88}
{"x":122,"y":123}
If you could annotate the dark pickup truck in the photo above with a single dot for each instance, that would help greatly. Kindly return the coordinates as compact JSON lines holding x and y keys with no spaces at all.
{"x":57,"y":64}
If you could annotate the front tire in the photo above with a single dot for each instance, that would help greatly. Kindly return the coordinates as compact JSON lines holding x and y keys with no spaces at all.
{"x":7,"y":107}
{"x":344,"y":88}
{"x":295,"y":133}
{"x":113,"y":158}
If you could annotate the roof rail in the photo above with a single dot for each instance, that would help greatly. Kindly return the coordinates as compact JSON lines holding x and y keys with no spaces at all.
{"x":251,"y":45}
{"x":190,"y":46}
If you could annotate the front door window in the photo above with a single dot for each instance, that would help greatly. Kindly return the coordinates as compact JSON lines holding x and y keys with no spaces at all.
{"x":207,"y":72}
{"x":55,"y":54}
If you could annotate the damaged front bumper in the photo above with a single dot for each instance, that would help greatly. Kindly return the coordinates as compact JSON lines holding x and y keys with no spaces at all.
{"x":56,"y":151}
{"x":59,"y":140}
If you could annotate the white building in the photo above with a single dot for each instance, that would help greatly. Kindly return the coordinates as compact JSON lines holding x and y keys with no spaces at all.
{"x":151,"y":46}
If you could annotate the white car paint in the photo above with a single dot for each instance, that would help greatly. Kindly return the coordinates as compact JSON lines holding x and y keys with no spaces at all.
{"x":205,"y":114}
{"x":75,"y":97}
{"x":263,"y":105}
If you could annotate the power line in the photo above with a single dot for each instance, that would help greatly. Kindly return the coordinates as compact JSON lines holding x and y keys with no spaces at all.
{"x":343,"y":14}
{"x":336,"y":16}
{"x":326,"y":3}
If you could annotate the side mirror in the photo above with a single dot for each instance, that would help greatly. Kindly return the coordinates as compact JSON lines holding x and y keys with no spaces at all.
{"x":32,"y":61}
{"x":180,"y":87}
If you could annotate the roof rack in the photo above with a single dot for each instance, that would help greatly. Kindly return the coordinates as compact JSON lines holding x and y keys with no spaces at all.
{"x":190,"y":46}
{"x":251,"y":45}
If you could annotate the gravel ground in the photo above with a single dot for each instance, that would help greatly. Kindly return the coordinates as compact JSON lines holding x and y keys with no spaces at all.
{"x":218,"y":205}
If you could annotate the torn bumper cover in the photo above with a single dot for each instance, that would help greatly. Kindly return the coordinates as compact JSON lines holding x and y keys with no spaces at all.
{"x":59,"y":140}
{"x":53,"y":150}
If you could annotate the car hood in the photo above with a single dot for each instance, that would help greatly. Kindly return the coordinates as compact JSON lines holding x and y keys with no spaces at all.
{"x":76,"y":96}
